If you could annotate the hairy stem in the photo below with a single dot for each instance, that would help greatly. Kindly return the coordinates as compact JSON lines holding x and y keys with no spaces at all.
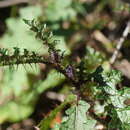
{"x":8,"y":60}
{"x":21,"y":59}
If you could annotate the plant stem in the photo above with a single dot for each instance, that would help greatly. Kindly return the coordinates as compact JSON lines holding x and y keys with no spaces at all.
{"x":120,"y":43}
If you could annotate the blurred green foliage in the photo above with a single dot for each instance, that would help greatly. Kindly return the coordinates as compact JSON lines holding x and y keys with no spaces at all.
{"x":20,"y":93}
{"x":72,"y":21}
{"x":62,"y":11}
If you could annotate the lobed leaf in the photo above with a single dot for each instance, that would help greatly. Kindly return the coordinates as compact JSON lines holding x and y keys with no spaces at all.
{"x":76,"y":118}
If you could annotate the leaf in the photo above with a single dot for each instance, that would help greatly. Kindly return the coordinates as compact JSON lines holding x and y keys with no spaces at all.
{"x":123,"y":110}
{"x":107,"y":80}
{"x":115,"y":122}
{"x":53,"y":79}
{"x":45,"y":123}
{"x":62,"y":11}
{"x":14,"y":111}
{"x":77,"y":119}
{"x":119,"y":109}
{"x":13,"y":89}
{"x":21,"y":36}
{"x":92,"y":59}
{"x":17,"y":85}
{"x":19,"y":88}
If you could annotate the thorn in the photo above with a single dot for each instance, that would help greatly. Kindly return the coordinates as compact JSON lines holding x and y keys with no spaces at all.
{"x":31,"y":65}
{"x":11,"y":68}
{"x":17,"y":66}
{"x":35,"y":65}
{"x":25,"y":67}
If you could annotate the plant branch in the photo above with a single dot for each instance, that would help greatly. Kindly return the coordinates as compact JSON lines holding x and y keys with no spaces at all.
{"x":32,"y":58}
{"x":21,"y":59}
{"x":46,"y":36}
{"x":120,"y":43}
{"x":55,"y":57}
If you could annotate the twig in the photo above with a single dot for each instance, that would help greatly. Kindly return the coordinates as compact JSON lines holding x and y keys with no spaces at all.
{"x":7,"y":3}
{"x":120,"y":43}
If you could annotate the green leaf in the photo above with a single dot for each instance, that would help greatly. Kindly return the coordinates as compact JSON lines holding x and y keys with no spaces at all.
{"x":77,"y":119}
{"x":62,"y":11}
{"x":17,"y":85}
{"x":107,"y":80}
{"x":92,"y":59}
{"x":20,"y":89}
{"x":115,"y":122}
{"x":123,"y":109}
{"x":13,"y":89}
{"x":21,"y":36}
{"x":53,"y":79}
{"x":116,"y":98}
{"x":45,"y":123}
{"x":125,"y":126}
{"x":14,"y":111}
